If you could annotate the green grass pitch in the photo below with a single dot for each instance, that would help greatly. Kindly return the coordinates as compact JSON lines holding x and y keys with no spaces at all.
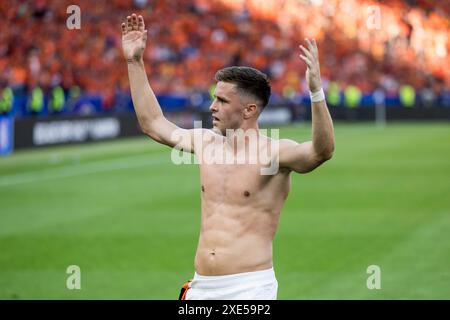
{"x":129,"y":218}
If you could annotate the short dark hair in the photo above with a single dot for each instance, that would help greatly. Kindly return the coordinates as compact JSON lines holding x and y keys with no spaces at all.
{"x":247,"y":80}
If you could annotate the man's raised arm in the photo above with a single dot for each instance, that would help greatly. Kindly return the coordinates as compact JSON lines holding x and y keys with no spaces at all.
{"x":305,"y":157}
{"x":149,"y":113}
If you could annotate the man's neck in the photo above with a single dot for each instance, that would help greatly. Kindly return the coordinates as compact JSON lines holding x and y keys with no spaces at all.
{"x":240,"y":137}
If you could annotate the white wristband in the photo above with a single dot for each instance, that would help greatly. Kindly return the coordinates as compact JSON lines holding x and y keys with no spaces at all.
{"x":317,"y":96}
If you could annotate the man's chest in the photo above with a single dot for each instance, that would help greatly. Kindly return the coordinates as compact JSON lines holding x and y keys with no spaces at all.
{"x":232,"y":182}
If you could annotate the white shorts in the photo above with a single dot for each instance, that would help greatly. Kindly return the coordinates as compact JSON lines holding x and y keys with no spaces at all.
{"x":256,"y":285}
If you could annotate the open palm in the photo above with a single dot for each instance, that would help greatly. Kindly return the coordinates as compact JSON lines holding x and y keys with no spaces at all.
{"x":134,"y":37}
{"x":311,"y":57}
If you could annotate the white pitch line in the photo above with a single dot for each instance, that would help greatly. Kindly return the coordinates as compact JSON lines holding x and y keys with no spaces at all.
{"x":72,"y":170}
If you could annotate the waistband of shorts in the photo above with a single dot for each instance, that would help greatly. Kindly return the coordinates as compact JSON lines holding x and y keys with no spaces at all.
{"x":259,"y":277}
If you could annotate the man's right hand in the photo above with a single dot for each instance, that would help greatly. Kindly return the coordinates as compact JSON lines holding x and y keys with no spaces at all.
{"x":134,"y":37}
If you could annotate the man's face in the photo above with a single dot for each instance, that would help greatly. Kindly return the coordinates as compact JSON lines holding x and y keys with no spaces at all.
{"x":227,"y":108}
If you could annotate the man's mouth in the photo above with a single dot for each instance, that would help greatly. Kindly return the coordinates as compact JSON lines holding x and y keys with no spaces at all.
{"x":215,"y":118}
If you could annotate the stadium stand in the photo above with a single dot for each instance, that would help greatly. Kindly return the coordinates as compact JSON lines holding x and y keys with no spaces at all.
{"x":49,"y":69}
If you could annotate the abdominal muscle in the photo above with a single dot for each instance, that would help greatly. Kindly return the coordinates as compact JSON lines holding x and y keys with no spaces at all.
{"x":234,"y":239}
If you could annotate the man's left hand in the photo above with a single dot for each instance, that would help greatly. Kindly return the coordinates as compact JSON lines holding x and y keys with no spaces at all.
{"x":311,"y":57}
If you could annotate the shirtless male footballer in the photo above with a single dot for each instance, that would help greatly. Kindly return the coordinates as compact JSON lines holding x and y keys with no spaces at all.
{"x":240,"y":203}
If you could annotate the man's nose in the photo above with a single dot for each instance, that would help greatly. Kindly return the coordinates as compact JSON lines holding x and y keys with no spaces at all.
{"x":213,"y":107}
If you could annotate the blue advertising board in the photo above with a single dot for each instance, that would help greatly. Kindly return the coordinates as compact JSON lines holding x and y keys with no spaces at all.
{"x":6,"y":135}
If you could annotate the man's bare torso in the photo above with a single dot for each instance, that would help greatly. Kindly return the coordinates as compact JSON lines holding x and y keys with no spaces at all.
{"x":240,"y":213}
{"x":240,"y":205}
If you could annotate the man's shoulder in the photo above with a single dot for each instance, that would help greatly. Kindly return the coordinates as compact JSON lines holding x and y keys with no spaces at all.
{"x":203,"y":131}
{"x":278,"y":143}
{"x":286,"y":144}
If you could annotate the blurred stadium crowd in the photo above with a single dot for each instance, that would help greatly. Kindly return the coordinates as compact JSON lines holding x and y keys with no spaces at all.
{"x":398,"y":48}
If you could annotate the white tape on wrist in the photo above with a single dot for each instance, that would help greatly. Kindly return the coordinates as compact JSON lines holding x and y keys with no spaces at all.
{"x":317,"y":96}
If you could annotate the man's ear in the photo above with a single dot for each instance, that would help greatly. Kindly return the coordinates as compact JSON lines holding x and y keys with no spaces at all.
{"x":250,"y":111}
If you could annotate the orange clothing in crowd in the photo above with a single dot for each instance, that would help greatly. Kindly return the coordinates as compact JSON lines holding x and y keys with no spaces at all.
{"x":190,"y":39}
